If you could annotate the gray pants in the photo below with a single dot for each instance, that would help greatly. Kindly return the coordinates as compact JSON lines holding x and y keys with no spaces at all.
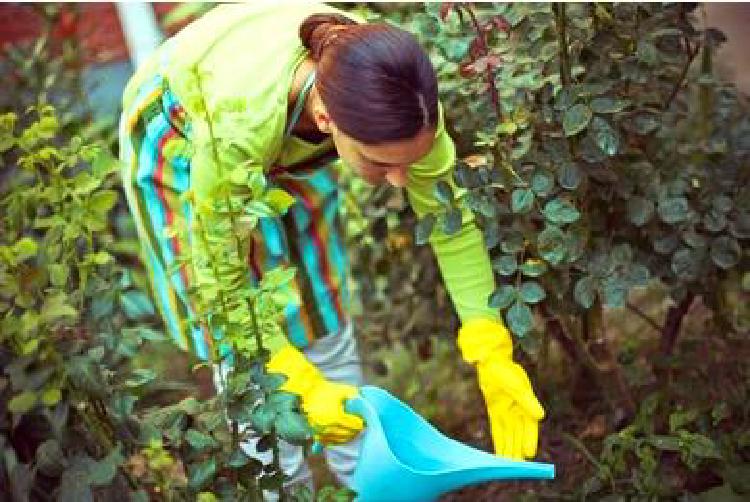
{"x":336,"y":356}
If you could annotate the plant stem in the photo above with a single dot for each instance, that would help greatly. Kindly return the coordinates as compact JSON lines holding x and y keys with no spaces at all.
{"x":637,"y":311}
{"x":562,"y":42}
{"x":672,"y":326}
{"x":691,"y":53}
{"x":489,"y":72}
{"x":230,"y":209}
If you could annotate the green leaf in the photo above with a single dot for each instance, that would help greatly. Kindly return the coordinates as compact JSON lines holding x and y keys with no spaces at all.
{"x":532,"y":292}
{"x":452,"y":221}
{"x":270,"y":382}
{"x":647,"y":52}
{"x":723,"y":204}
{"x":263,"y":418}
{"x":505,"y":264}
{"x":645,"y":123}
{"x":122,"y":405}
{"x":455,"y":49}
{"x":100,"y":257}
{"x":507,"y":128}
{"x":101,"y":202}
{"x":23,"y":402}
{"x":260,"y":209}
{"x":239,"y":175}
{"x":520,"y":319}
{"x":608,"y":105}
{"x":714,"y":221}
{"x":74,"y":486}
{"x":665,"y":443}
{"x":522,"y":200}
{"x":25,"y":248}
{"x":551,"y":244}
{"x":50,"y":458}
{"x":102,"y":472}
{"x":512,"y":242}
{"x":725,"y":252}
{"x":55,"y":307}
{"x":746,"y":282}
{"x":564,"y":99}
{"x":673,"y":209}
{"x":58,"y":274}
{"x":686,"y":264}
{"x":278,"y":277}
{"x":283,"y":401}
{"x":502,"y":297}
{"x":703,"y":447}
{"x":238,"y":459}
{"x":423,"y":229}
{"x":638,"y":275}
{"x":584,"y":291}
{"x":614,"y":291}
{"x":51,"y":397}
{"x":201,"y":473}
{"x":560,"y":211}
{"x":136,"y":305}
{"x":640,"y":210}
{"x":533,"y":268}
{"x":605,"y":136}
{"x":293,"y":427}
{"x":569,"y":175}
{"x":576,"y":118}
{"x":542,"y":183}
{"x":443,"y":192}
{"x":200,"y":441}
{"x":140,"y":376}
{"x":279,"y":200}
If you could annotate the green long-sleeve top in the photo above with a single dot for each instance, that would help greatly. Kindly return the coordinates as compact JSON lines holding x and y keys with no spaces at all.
{"x":246,"y":55}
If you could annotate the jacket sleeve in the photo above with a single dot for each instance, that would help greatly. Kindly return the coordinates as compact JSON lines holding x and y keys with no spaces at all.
{"x":462,"y":257}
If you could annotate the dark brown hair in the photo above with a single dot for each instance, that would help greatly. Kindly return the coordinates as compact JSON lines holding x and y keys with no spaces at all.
{"x":375,"y":79}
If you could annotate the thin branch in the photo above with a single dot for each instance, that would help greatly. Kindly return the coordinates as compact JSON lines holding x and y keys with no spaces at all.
{"x":489,"y":72}
{"x":636,"y":310}
{"x":691,"y":53}
{"x":562,"y":41}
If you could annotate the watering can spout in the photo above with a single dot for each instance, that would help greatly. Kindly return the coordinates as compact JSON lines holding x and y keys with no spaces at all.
{"x":404,"y":458}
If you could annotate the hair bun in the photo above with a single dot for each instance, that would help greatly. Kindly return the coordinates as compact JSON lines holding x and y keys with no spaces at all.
{"x":319,"y":30}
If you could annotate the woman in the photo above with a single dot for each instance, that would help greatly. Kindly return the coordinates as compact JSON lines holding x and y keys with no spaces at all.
{"x":312,"y":82}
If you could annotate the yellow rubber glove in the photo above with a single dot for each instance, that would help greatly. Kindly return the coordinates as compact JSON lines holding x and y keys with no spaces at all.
{"x":322,"y":400}
{"x":513,"y":409}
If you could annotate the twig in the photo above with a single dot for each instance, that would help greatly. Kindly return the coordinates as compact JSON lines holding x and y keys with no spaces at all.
{"x":644,"y":316}
{"x":485,"y":52}
{"x":691,"y":53}
{"x":562,"y":41}
{"x":582,"y":448}
{"x":672,"y":326}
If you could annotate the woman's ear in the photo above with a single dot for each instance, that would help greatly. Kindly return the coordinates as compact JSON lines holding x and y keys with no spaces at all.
{"x":320,"y":114}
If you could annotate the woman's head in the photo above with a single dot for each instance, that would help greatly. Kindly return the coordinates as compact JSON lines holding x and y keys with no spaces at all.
{"x":375,"y":93}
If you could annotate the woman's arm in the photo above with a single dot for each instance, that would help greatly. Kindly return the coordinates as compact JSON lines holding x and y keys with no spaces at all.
{"x":462,"y":257}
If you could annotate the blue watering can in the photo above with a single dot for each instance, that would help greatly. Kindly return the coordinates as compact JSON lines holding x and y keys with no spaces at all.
{"x":404,"y":458}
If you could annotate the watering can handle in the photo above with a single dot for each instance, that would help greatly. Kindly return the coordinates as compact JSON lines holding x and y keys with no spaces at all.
{"x":355,"y":406}
{"x":358,"y":406}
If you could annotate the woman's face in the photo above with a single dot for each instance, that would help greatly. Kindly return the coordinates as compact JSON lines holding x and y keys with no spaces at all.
{"x":382,"y":163}
{"x":386,"y":162}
